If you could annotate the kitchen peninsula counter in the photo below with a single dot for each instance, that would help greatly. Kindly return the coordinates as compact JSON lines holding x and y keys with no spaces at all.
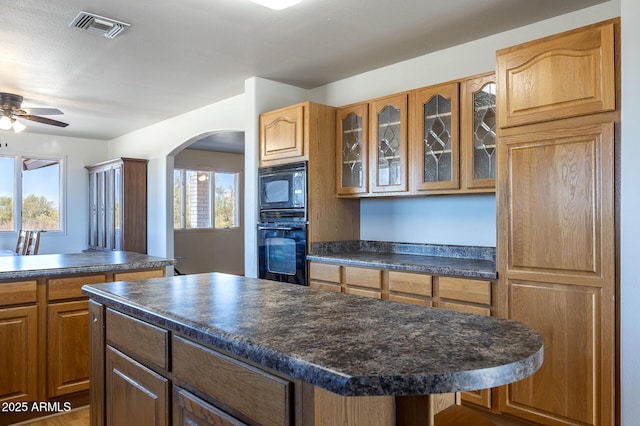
{"x":456,"y":261}
{"x":44,"y":322}
{"x":348,"y":345}
{"x":45,"y":265}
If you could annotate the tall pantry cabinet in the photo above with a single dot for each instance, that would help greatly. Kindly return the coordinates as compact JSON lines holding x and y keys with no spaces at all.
{"x":118,"y":205}
{"x":558,"y":122}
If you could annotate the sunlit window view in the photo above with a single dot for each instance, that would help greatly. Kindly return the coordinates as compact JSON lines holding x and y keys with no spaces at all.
{"x":39,"y":206}
{"x":204,"y":199}
{"x":40,"y":194}
{"x":7,"y":175}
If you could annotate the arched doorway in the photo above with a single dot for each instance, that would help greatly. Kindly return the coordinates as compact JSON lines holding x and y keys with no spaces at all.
{"x":208,"y":193}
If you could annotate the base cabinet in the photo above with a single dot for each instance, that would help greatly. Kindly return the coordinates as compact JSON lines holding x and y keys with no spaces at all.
{"x":45,"y":340}
{"x":68,"y":348}
{"x":19,"y":355}
{"x":137,"y":396}
{"x":190,"y":410}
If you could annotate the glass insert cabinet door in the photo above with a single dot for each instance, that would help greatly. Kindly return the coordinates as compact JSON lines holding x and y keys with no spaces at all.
{"x":389,"y":144}
{"x":352,"y":138}
{"x":435,"y":142}
{"x":479,"y":130}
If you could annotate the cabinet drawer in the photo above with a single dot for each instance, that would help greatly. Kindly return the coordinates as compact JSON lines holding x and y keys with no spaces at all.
{"x":70,"y":287}
{"x":469,"y":309}
{"x":138,"y":275}
{"x":362,"y":277}
{"x":234,"y":385}
{"x":324,"y":272}
{"x":138,"y":339}
{"x":406,"y":282}
{"x":17,"y":293}
{"x":323,"y":285}
{"x":472,"y":291}
{"x":188,"y":409}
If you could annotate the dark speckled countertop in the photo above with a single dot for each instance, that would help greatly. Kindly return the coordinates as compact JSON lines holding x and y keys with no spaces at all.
{"x":457,"y":261}
{"x":347,"y":344}
{"x":17,"y":267}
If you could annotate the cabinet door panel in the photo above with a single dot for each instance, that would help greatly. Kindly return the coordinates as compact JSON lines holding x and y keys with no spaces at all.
{"x":435,"y":139}
{"x":282,"y":134}
{"x":136,"y":396}
{"x":478,"y":130}
{"x":561,"y":197}
{"x":388,"y":146}
{"x":19,"y":354}
{"x":352,"y":156}
{"x":557,"y":77}
{"x":189,"y":410}
{"x":68,"y":348}
{"x":567,"y":319}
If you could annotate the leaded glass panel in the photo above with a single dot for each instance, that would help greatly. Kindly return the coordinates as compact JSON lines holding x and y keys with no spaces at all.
{"x":484,"y":132}
{"x":352,"y":174}
{"x":389,"y":147}
{"x":437,"y":140}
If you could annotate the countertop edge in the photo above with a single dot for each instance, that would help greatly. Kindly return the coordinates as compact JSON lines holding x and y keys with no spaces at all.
{"x":452,"y":271}
{"x":317,"y":375}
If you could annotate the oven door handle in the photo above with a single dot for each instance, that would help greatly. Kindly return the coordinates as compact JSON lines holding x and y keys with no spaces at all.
{"x":277,"y":228}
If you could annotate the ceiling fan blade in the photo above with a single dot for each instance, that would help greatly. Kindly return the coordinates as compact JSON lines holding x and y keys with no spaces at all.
{"x":44,"y":120}
{"x":42,"y":111}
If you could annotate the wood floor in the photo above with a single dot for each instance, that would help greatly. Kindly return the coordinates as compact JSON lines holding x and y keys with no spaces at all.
{"x":80,"y":417}
{"x":77,"y":417}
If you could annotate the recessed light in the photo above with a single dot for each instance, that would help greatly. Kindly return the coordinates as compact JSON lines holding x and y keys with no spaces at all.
{"x":277,"y":4}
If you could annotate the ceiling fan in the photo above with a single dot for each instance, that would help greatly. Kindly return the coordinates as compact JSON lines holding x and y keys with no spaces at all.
{"x":11,"y":110}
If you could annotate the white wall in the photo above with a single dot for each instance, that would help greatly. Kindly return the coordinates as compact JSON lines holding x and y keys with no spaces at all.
{"x":441,"y":220}
{"x":209,"y":250}
{"x":261,"y":96}
{"x":77,"y":153}
{"x":158,"y":143}
{"x":630,"y":212}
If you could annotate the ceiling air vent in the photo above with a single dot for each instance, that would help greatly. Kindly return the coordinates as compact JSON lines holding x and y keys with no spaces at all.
{"x":96,"y":24}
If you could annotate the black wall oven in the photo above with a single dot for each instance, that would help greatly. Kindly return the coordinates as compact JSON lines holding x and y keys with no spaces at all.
{"x":282,"y":252}
{"x":282,"y":229}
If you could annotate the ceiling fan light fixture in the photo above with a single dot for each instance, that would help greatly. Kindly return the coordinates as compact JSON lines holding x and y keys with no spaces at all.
{"x":277,"y":4}
{"x":5,"y":122}
{"x":18,"y":126}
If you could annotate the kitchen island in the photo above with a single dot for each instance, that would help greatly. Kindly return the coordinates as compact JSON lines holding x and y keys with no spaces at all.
{"x":217,"y":346}
{"x":44,"y":325}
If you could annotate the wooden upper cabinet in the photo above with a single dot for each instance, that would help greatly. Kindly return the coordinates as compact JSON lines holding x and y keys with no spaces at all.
{"x":478,"y":131}
{"x":282,"y":135}
{"x":352,"y":136}
{"x":389,"y":144}
{"x":561,"y":76}
{"x":435,"y":142}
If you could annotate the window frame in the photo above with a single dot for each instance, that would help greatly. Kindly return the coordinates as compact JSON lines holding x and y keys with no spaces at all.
{"x":211,"y":193}
{"x":18,"y":191}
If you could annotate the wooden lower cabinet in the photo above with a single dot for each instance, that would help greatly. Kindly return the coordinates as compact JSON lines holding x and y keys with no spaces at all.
{"x":189,"y":410}
{"x":19,"y":355}
{"x":44,"y":340}
{"x":363,"y":282}
{"x":136,"y":395}
{"x":68,"y":348}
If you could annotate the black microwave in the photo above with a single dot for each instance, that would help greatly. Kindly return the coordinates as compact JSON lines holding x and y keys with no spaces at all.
{"x":282,"y":191}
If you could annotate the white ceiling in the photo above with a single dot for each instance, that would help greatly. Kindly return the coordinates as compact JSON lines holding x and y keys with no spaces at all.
{"x":181,"y":55}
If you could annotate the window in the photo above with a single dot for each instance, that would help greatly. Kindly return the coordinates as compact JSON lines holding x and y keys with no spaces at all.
{"x":204,"y":199}
{"x":30,"y":199}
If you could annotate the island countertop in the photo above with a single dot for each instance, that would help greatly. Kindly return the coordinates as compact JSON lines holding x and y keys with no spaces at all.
{"x":17,"y":267}
{"x":350,"y":345}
